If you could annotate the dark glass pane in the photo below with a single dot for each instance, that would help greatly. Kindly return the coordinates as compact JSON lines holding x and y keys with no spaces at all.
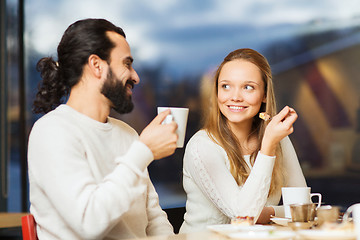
{"x":177,"y":46}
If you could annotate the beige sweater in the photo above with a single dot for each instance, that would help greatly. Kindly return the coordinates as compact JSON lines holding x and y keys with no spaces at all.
{"x":213,"y":196}
{"x":89,"y":180}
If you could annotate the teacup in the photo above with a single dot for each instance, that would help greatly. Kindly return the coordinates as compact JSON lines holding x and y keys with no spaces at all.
{"x":327,"y":214}
{"x":355,"y":211}
{"x":297,"y":195}
{"x":180,"y":116}
{"x":303,"y":212}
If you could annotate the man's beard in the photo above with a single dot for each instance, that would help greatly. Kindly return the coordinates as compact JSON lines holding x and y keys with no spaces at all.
{"x":116,"y":92}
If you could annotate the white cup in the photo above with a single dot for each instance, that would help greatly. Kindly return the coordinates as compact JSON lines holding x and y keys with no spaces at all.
{"x":180,"y":116}
{"x":297,"y":195}
{"x":355,"y":210}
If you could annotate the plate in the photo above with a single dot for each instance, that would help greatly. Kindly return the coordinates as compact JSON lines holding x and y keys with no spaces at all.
{"x":230,"y":228}
{"x":327,"y":235}
{"x":222,"y":228}
{"x":276,"y":235}
{"x":281,"y":221}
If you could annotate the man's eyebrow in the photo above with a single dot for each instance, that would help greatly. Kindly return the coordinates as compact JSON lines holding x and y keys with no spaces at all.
{"x":129,"y":59}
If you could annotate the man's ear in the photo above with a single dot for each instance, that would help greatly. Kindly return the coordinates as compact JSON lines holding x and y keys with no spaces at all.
{"x":95,"y":64}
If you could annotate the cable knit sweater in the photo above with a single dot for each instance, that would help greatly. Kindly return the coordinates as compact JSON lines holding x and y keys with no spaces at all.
{"x":89,"y":180}
{"x":213,"y":196}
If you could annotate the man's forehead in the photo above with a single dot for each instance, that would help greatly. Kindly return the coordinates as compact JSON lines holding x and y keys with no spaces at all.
{"x":121,"y":45}
{"x":116,"y":38}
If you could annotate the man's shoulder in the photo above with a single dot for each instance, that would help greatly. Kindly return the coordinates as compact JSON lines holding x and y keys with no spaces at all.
{"x":53,"y":117}
{"x":123,"y":126}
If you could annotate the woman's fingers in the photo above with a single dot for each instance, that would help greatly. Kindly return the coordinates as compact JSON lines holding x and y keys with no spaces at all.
{"x":282,"y":114}
{"x":290,"y":118}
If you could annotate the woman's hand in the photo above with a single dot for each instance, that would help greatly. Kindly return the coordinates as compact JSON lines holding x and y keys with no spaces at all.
{"x":265,"y":215}
{"x":280,"y":126}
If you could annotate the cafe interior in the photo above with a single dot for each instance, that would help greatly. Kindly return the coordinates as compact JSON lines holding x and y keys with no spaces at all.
{"x":313,"y":50}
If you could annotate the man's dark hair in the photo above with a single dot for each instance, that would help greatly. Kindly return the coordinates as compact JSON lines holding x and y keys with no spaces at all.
{"x":80,"y":40}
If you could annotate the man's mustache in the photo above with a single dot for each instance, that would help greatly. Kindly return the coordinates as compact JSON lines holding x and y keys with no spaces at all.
{"x":130,"y":83}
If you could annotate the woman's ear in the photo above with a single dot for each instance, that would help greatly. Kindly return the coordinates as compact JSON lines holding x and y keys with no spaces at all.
{"x":264,"y":99}
{"x":95,"y":64}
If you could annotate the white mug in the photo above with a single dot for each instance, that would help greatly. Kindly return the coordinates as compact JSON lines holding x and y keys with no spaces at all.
{"x":297,"y":195}
{"x":355,"y":210}
{"x":180,"y":116}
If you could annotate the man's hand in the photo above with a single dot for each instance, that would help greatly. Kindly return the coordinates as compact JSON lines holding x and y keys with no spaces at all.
{"x":160,"y":138}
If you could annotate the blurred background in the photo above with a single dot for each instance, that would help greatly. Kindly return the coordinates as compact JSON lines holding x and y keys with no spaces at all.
{"x":313,"y":48}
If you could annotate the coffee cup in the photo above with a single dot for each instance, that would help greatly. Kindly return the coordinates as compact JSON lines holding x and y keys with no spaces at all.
{"x":355,"y":211}
{"x":303,"y":212}
{"x":180,"y":116}
{"x":297,"y":195}
{"x":327,"y":213}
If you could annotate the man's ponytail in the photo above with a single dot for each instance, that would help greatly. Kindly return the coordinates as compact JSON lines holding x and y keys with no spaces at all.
{"x":51,"y":88}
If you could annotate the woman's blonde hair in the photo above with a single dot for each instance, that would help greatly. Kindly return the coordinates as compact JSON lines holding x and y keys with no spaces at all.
{"x":219,"y":131}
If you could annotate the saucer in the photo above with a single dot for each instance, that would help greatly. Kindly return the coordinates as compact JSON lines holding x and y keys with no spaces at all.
{"x":281,"y":221}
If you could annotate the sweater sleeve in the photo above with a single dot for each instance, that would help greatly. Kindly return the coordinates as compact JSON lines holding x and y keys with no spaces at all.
{"x":293,"y":171}
{"x":59,"y":167}
{"x":205,"y":162}
{"x":295,"y":176}
{"x":158,"y":221}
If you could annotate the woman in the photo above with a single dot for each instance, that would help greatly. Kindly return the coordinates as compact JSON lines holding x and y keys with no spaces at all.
{"x":236,"y":165}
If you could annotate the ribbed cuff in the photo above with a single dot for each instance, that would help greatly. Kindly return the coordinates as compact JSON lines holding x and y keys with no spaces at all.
{"x":138,"y":156}
{"x":279,"y":211}
{"x":265,"y":161}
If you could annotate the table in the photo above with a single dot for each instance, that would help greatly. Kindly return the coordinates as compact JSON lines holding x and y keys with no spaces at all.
{"x":209,"y":235}
{"x":8,"y":220}
{"x":206,"y":235}
{"x":10,"y":225}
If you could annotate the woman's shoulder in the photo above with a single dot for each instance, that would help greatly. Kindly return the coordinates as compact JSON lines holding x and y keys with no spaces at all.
{"x":286,"y":142}
{"x":200,"y":135}
{"x":202,"y":138}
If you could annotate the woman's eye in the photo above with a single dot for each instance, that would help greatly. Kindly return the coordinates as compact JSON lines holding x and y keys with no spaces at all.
{"x":248,"y":87}
{"x":225,"y":86}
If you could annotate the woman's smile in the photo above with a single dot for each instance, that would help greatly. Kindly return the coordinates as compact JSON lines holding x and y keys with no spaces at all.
{"x":235,"y":108}
{"x":241,"y":91}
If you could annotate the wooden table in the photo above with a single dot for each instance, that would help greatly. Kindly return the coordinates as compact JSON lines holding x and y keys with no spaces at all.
{"x":8,"y":220}
{"x":209,"y":235}
{"x":206,"y":235}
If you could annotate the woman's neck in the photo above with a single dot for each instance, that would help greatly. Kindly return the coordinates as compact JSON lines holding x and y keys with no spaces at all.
{"x":242,"y":132}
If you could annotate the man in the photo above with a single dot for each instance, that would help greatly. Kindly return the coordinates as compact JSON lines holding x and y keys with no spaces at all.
{"x":87,"y":171}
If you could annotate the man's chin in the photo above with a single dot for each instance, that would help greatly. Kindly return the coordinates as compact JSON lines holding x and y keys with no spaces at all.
{"x":124,"y":109}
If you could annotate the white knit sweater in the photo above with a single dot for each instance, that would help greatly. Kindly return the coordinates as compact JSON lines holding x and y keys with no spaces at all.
{"x":213,"y":196}
{"x":89,"y":180}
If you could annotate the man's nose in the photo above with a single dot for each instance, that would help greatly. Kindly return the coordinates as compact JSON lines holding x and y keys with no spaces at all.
{"x":135,"y":76}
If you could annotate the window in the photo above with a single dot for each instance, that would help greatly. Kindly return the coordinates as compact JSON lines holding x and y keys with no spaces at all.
{"x":312,"y":49}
